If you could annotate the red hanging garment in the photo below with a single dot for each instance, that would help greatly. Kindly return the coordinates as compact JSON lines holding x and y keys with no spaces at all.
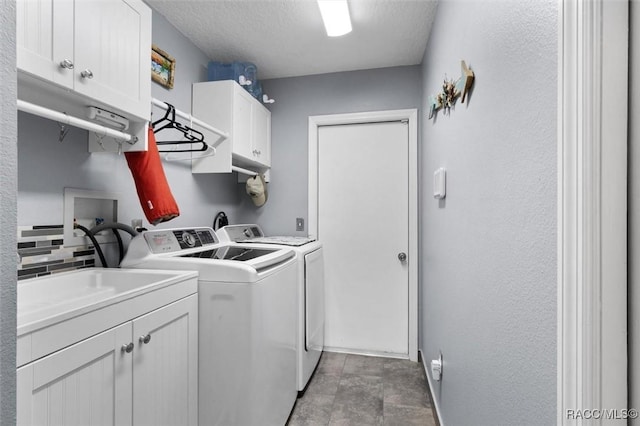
{"x":153,"y":189}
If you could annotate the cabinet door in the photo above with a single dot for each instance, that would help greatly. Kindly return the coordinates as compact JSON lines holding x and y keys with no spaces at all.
{"x":113,"y":50}
{"x":242,"y":125}
{"x":45,"y":39}
{"x":261,"y":135}
{"x":165,"y":371}
{"x":88,"y":383}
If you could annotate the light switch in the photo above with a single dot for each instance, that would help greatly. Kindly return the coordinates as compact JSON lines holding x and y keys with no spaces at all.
{"x":440,"y":183}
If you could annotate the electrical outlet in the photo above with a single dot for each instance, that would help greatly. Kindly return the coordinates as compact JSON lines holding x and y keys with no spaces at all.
{"x":299,"y":224}
{"x":136,"y":223}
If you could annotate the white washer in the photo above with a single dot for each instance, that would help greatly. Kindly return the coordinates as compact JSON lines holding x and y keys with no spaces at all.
{"x":310,"y":339}
{"x":246,"y":319}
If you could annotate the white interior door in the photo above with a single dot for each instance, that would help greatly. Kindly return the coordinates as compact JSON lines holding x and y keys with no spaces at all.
{"x":363,"y":223}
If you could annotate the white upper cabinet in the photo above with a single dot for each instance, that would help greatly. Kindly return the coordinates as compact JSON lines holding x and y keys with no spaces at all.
{"x":45,"y":39}
{"x":261,"y":134}
{"x":99,"y":49}
{"x":118,"y":72}
{"x":239,"y":127}
{"x":228,"y":107}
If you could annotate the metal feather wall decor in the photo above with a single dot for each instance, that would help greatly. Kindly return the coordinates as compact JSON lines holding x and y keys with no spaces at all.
{"x":451,"y":90}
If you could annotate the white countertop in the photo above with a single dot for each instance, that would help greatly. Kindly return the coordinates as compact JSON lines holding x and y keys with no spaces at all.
{"x":48,"y":300}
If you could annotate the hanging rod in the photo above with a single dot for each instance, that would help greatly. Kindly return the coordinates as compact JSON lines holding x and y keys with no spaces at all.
{"x":194,"y":120}
{"x":244,"y":171}
{"x":73,"y":121}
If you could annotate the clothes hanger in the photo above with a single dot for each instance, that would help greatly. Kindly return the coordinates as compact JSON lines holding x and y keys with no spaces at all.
{"x":208,"y":152}
{"x":204,"y":146}
{"x":190,"y":134}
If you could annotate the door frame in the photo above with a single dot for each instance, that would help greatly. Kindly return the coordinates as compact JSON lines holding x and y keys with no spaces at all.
{"x":411,"y":117}
{"x":592,"y":208}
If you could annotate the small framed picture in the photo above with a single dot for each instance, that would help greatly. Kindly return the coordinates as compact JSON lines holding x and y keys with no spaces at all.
{"x":163,"y":67}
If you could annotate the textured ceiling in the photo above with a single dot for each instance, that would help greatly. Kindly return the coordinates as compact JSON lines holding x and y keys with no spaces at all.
{"x":286,"y":38}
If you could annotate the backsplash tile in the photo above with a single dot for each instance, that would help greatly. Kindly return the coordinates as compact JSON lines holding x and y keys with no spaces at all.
{"x":42,"y":252}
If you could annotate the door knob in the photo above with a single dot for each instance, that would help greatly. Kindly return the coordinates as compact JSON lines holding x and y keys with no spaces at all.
{"x":145,"y":339}
{"x":402,"y":257}
{"x":86,"y":74}
{"x":128,"y":348}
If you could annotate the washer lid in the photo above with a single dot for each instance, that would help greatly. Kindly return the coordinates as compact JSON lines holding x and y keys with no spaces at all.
{"x":237,"y":253}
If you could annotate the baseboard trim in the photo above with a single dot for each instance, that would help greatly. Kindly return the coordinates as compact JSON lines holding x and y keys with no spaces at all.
{"x":436,"y":406}
{"x":366,"y":353}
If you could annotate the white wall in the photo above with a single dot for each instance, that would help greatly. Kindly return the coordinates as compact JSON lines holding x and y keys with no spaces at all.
{"x":8,"y":184}
{"x":488,"y":295}
{"x":46,"y":166}
{"x":296,"y":100}
{"x":634,"y":209}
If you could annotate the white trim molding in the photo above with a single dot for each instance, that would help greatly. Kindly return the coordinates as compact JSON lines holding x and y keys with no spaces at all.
{"x":592,"y":206}
{"x":411,"y":116}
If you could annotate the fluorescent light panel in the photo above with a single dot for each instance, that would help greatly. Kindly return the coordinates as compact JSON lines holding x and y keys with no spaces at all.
{"x":335,"y":14}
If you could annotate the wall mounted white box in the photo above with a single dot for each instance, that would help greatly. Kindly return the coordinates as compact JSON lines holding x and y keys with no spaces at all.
{"x":440,"y":183}
{"x":84,"y":206}
{"x":436,"y":368}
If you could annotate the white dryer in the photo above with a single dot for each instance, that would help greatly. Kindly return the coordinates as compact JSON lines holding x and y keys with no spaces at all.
{"x":246,"y":319}
{"x":310,"y":293}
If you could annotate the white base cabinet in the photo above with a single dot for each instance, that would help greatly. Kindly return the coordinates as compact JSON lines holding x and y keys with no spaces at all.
{"x":142,"y":372}
{"x":165,"y":369}
{"x":88,"y":383}
{"x":228,"y":107}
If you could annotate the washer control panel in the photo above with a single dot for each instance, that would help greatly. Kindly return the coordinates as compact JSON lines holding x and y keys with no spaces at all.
{"x":173,"y":240}
{"x":240,"y":232}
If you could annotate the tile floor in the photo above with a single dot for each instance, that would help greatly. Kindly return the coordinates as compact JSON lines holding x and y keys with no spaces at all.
{"x":360,"y":390}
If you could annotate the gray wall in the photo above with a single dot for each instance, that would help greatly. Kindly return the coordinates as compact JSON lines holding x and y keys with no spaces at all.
{"x":8,"y":183}
{"x":488,"y":285}
{"x":296,"y":100}
{"x":634,"y":210}
{"x":488,"y":272}
{"x":46,"y":167}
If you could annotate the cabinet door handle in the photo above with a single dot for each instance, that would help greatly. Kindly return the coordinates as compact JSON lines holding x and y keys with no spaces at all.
{"x":87,"y":74}
{"x":67,"y":64}
{"x":128,"y":348}
{"x":145,"y":339}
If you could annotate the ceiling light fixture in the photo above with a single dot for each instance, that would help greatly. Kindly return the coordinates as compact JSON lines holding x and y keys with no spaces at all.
{"x":335,"y":14}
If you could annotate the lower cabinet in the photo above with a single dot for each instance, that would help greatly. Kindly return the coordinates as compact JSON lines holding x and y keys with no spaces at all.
{"x":142,"y":372}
